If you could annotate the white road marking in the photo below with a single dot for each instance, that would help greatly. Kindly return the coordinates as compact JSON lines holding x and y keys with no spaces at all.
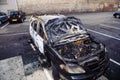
{"x":104,"y":34}
{"x":47,"y":74}
{"x":102,"y":78}
{"x":32,"y":46}
{"x":8,"y":34}
{"x":115,"y":62}
{"x":4,"y":26}
{"x":109,"y":26}
{"x":116,"y":22}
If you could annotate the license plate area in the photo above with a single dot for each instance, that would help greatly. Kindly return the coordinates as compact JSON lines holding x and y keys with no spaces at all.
{"x":14,"y":19}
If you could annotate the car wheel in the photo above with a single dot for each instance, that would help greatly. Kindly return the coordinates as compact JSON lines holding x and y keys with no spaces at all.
{"x":48,"y":60}
{"x":117,"y":16}
{"x":114,"y":16}
{"x":55,"y":73}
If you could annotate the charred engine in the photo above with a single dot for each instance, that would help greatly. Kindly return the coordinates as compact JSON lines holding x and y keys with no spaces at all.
{"x":76,"y":49}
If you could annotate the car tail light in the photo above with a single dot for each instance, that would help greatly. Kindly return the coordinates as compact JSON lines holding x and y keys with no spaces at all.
{"x":8,"y":16}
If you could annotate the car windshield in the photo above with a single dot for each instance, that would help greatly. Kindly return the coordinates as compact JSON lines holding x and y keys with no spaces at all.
{"x":14,"y":12}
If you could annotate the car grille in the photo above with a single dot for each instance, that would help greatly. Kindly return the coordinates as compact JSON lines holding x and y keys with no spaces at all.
{"x":96,"y":66}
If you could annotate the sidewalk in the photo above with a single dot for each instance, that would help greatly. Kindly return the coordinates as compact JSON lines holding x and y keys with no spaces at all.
{"x":12,"y":69}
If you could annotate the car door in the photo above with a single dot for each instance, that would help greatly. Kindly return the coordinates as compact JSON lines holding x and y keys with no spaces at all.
{"x":40,"y":38}
{"x":33,"y":30}
{"x":2,"y":17}
{"x":5,"y":17}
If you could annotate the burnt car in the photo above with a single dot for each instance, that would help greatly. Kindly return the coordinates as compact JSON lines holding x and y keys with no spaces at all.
{"x":64,"y":43}
{"x":16,"y":16}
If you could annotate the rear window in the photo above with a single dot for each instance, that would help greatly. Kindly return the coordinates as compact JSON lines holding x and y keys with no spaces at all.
{"x":14,"y":12}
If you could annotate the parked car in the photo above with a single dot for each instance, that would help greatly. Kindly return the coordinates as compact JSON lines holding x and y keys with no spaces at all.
{"x":64,"y":42}
{"x":116,"y":14}
{"x":16,"y":16}
{"x":3,"y":17}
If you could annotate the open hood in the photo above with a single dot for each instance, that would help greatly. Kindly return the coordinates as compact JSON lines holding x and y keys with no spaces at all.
{"x":62,"y":27}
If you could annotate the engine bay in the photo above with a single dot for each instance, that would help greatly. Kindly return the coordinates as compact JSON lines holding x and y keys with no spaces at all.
{"x":77,"y":48}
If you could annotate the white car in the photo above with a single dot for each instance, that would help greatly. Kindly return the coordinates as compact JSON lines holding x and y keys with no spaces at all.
{"x":37,"y":30}
{"x":64,"y":43}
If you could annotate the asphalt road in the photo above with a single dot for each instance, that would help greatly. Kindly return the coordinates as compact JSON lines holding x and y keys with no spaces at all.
{"x":14,"y":41}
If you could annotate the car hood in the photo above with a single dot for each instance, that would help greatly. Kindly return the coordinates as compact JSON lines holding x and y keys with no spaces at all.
{"x":70,"y":38}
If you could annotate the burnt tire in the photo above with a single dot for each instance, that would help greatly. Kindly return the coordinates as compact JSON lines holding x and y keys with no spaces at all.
{"x":48,"y":60}
{"x":55,"y":73}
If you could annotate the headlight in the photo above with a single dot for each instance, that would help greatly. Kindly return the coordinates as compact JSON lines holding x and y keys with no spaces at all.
{"x":72,"y":69}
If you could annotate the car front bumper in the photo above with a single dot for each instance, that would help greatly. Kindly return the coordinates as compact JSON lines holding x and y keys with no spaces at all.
{"x":89,"y":75}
